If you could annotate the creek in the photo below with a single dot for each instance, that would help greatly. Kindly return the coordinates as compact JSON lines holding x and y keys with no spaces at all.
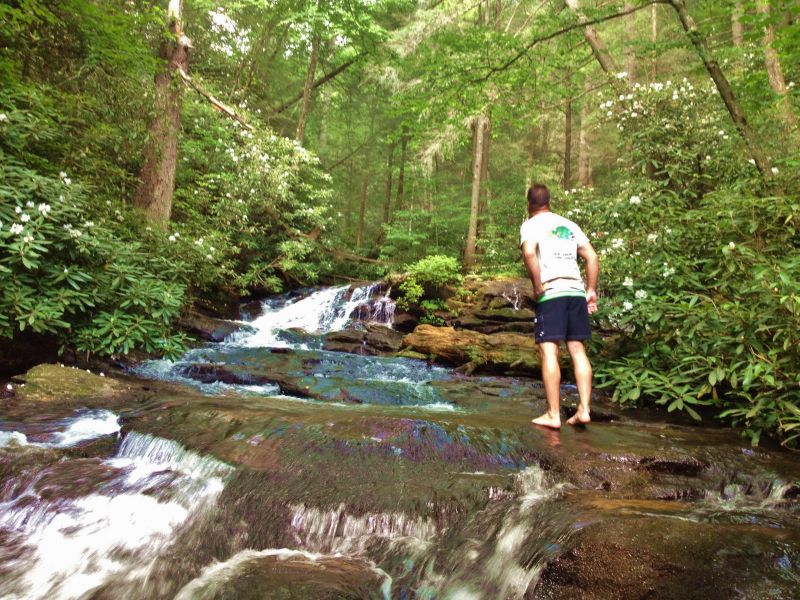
{"x":267,"y":467}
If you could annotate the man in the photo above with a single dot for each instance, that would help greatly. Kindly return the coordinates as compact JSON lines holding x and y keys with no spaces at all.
{"x":550,"y":247}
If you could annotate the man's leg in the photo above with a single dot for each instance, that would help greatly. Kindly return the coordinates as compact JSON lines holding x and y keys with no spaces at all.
{"x":583,"y":379}
{"x":551,"y":376}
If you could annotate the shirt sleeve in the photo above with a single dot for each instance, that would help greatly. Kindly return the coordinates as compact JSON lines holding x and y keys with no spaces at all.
{"x":526,"y":233}
{"x":580,"y":237}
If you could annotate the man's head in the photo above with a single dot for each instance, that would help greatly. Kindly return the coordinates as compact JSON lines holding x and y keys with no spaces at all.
{"x":538,"y":198}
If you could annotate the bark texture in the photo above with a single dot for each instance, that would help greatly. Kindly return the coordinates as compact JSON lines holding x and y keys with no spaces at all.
{"x":477,"y":162}
{"x":153,"y":195}
{"x":775,"y":73}
{"x":308,"y":88}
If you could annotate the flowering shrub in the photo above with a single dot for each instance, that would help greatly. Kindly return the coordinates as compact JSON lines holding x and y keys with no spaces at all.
{"x":706,"y":295}
{"x":66,"y":271}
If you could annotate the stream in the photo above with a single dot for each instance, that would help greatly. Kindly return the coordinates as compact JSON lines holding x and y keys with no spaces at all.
{"x":266,"y":467}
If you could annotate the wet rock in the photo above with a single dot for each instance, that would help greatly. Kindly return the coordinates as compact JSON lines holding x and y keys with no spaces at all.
{"x":208,"y":328}
{"x":677,"y":465}
{"x":251,"y":310}
{"x":498,"y":353}
{"x":347,"y":340}
{"x":513,"y":292}
{"x":373,"y":340}
{"x":405,"y":322}
{"x":631,"y":557}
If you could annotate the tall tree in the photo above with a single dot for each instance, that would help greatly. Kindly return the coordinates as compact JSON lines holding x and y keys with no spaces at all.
{"x":157,"y":177}
{"x":477,"y":162}
{"x":308,"y":88}
{"x":775,"y":72}
{"x":737,"y":29}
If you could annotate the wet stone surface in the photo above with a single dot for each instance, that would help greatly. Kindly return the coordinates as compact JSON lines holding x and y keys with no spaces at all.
{"x":296,"y":472}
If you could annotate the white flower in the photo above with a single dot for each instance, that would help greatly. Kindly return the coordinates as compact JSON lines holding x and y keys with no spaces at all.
{"x":627,"y":305}
{"x":3,"y":117}
{"x":628,"y":282}
{"x":211,"y":249}
{"x":751,"y":161}
{"x":62,"y":175}
{"x":29,"y":204}
{"x":635,"y":200}
{"x":609,"y":114}
{"x":640,"y":294}
{"x":67,"y":181}
{"x":9,"y":387}
{"x":774,"y":170}
{"x":209,"y":257}
{"x":24,"y":218}
{"x":617,"y":243}
{"x":731,"y":246}
{"x":16,"y":229}
{"x":615,"y":215}
{"x":44,"y":208}
{"x":27,"y":239}
{"x":18,"y":209}
{"x":652,"y":237}
{"x":172,"y":238}
{"x":621,"y":75}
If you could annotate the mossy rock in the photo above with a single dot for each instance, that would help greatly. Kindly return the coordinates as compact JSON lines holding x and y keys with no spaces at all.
{"x":54,"y":383}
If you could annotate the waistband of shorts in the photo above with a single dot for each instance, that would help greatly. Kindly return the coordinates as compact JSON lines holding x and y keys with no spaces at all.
{"x":565,"y":294}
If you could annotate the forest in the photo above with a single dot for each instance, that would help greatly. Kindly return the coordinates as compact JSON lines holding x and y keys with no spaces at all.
{"x":158,"y":156}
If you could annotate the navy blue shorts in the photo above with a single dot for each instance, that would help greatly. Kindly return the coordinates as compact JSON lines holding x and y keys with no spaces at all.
{"x":562,"y":319}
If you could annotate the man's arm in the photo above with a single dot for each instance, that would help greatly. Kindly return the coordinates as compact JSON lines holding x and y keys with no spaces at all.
{"x":587,"y":253}
{"x":532,"y":265}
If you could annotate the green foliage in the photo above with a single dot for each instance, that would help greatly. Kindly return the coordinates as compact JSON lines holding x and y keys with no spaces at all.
{"x":424,"y":279}
{"x":67,"y":272}
{"x":707,"y":298}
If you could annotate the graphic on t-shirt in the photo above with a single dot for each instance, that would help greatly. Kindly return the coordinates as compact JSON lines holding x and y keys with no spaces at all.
{"x":563,"y":233}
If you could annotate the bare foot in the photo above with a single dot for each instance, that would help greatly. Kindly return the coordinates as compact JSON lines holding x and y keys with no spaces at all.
{"x":581,"y":417}
{"x":547,"y":421}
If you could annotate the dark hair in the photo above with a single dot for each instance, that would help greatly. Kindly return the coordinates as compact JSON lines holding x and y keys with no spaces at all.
{"x":538,"y":196}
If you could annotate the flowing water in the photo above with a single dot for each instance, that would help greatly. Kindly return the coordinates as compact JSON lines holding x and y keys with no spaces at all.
{"x":267,"y":467}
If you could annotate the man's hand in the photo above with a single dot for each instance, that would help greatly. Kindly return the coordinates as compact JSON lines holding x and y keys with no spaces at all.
{"x":591,"y":301}
{"x":538,"y":291}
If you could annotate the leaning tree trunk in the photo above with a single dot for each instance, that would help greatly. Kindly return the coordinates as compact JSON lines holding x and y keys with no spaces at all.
{"x":157,"y":178}
{"x":483,"y":205}
{"x":599,"y":49}
{"x":775,"y":72}
{"x":307,"y":89}
{"x":477,"y":162}
{"x":723,"y":87}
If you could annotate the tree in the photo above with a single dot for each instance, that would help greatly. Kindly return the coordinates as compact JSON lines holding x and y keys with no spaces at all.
{"x":157,"y":177}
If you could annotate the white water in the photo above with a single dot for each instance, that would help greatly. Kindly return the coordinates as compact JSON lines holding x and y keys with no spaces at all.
{"x":82,"y":427}
{"x":73,"y":545}
{"x":323,"y":311}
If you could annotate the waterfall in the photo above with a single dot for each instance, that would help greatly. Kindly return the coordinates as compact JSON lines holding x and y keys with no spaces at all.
{"x":107,"y":533}
{"x":325,"y":310}
{"x":83,"y":426}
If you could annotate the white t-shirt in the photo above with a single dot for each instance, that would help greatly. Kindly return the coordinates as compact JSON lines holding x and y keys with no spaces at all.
{"x":557,"y":240}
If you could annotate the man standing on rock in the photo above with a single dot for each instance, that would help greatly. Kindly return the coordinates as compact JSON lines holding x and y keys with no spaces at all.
{"x":550,"y":247}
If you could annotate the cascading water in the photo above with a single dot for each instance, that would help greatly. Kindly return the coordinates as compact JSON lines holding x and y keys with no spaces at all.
{"x":106,"y":532}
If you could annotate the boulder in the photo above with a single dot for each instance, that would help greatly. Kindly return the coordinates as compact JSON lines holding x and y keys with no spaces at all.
{"x":68,"y":385}
{"x":375,"y":339}
{"x":511,"y":292}
{"x":497,"y":353}
{"x":208,"y":328}
{"x":405,"y":322}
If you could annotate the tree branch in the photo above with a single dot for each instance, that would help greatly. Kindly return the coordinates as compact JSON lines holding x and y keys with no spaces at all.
{"x":321,"y":81}
{"x":582,"y":23}
{"x":228,"y":111}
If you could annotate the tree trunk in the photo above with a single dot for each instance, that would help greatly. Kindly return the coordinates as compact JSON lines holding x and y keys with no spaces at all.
{"x":483,"y":205}
{"x":567,"y":176}
{"x":654,"y":40}
{"x":477,"y":162}
{"x":157,"y":178}
{"x":534,"y":139}
{"x":599,"y":49}
{"x":307,"y":89}
{"x":362,"y":209}
{"x":630,"y":35}
{"x":724,"y":88}
{"x":387,"y":198}
{"x":401,"y":175}
{"x":584,"y":160}
{"x":775,"y":72}
{"x":737,"y":29}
